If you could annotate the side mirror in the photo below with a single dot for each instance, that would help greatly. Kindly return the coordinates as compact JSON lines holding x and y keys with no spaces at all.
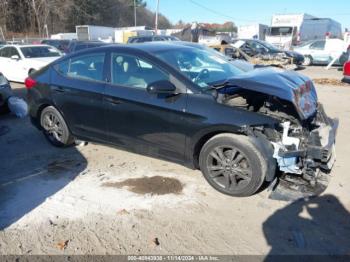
{"x":15,"y":57}
{"x":161,"y":87}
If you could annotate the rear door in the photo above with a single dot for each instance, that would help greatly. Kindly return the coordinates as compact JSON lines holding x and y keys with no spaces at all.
{"x":137,"y":120}
{"x":77,"y":86}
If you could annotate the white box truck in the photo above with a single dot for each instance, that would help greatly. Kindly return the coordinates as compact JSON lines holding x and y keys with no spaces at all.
{"x":288,"y":29}
{"x":94,"y":33}
{"x":254,"y":31}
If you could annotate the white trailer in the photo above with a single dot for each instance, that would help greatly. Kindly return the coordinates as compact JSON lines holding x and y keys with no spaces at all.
{"x":94,"y":33}
{"x":288,"y":29}
{"x":64,"y":36}
{"x":254,"y":31}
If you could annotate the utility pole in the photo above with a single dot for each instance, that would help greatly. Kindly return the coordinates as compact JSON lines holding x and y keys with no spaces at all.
{"x":46,"y":31}
{"x":157,"y":12}
{"x":2,"y":36}
{"x":135,"y":13}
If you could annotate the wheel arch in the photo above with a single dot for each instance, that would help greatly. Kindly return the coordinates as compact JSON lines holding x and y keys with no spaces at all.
{"x":260,"y":141}
{"x":202,"y":137}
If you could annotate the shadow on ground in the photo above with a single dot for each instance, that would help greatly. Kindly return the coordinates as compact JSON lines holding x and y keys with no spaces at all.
{"x":31,"y":170}
{"x":319,"y":226}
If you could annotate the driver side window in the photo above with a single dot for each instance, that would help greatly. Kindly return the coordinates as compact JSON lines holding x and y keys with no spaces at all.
{"x":5,"y":52}
{"x":319,"y":45}
{"x":131,"y":71}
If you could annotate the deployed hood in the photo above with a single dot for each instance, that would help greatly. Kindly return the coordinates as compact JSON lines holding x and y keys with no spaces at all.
{"x":286,"y":85}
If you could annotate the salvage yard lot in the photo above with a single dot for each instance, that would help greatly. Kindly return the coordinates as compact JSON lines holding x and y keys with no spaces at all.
{"x":99,"y":200}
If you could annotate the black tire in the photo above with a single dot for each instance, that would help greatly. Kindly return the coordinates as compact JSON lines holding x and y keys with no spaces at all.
{"x":241,"y":170}
{"x":4,"y":109}
{"x":308,"y":61}
{"x":31,"y":71}
{"x":55,"y":128}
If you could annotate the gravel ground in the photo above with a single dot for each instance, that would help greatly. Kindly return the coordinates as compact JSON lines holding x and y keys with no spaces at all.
{"x":76,"y":200}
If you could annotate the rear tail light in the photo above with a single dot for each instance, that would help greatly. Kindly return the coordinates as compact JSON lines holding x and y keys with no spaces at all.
{"x":29,"y":83}
{"x":347,"y":68}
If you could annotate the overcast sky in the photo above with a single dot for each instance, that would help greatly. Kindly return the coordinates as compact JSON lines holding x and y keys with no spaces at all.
{"x":250,"y":11}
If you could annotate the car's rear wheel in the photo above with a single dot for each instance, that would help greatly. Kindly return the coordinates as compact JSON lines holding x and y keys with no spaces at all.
{"x":308,"y":60}
{"x":233,"y":165}
{"x":55,"y":127}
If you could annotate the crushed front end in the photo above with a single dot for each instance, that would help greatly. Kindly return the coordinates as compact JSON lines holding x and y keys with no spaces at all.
{"x":305,"y":155}
{"x":303,"y":141}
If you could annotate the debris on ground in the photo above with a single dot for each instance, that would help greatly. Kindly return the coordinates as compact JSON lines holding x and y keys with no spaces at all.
{"x":123,"y":212}
{"x":155,"y":241}
{"x":330,"y":81}
{"x":62,"y":245}
{"x":51,"y":223}
{"x":18,"y":106}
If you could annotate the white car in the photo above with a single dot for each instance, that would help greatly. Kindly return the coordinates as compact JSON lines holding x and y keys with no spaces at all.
{"x":321,"y":52}
{"x":18,"y":61}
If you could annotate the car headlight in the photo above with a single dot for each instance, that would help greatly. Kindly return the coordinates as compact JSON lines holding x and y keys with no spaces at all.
{"x":3,"y":80}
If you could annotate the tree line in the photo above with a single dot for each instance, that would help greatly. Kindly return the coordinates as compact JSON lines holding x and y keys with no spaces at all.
{"x":30,"y":17}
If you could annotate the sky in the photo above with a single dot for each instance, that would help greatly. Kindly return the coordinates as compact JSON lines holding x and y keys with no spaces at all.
{"x":245,"y":12}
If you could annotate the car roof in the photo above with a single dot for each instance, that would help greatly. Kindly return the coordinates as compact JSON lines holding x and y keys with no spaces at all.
{"x":87,"y":42}
{"x":26,"y":45}
{"x":151,"y":47}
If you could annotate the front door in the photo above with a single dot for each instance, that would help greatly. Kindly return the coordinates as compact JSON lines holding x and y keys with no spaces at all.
{"x":142,"y":122}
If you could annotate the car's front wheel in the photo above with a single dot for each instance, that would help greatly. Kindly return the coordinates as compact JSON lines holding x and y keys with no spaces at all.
{"x":233,"y":165}
{"x":308,"y":61}
{"x":55,"y":127}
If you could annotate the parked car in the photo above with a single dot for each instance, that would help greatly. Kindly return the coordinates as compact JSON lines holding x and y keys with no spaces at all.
{"x":5,"y":93}
{"x":61,"y":45}
{"x":347,"y":72}
{"x":190,"y":106}
{"x":318,"y":52}
{"x":75,"y":46}
{"x":18,"y":61}
{"x":2,"y":43}
{"x":154,"y":38}
{"x":254,"y":47}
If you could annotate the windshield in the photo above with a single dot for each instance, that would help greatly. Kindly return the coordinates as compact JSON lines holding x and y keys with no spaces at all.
{"x":202,"y":67}
{"x":277,"y":31}
{"x":305,"y":43}
{"x":270,"y":46}
{"x":39,"y":51}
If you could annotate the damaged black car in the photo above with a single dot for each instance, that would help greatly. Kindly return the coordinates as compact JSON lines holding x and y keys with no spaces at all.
{"x":191,"y":106}
{"x":5,"y":93}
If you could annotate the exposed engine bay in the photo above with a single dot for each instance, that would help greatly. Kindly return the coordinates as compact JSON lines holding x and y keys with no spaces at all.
{"x":303,"y":148}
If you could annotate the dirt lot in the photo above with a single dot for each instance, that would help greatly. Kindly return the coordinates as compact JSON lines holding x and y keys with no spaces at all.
{"x":99,"y":200}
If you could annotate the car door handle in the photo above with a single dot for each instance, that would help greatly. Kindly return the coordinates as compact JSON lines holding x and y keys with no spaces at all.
{"x":58,"y":89}
{"x":113,"y":101}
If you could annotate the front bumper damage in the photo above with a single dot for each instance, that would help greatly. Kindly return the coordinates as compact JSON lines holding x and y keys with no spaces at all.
{"x":305,"y":161}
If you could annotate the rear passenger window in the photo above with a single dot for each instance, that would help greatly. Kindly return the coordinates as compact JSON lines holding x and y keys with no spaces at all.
{"x":131,"y":71}
{"x":88,"y":67}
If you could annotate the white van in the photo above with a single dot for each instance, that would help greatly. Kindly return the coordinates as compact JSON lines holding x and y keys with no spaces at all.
{"x":289,"y":30}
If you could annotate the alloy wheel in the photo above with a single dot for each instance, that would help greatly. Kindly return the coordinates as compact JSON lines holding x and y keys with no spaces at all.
{"x":229,"y":168}
{"x":53,"y":127}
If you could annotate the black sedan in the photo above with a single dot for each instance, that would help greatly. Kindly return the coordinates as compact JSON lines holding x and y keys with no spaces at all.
{"x":187,"y":105}
{"x":254,"y":47}
{"x":5,"y":93}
